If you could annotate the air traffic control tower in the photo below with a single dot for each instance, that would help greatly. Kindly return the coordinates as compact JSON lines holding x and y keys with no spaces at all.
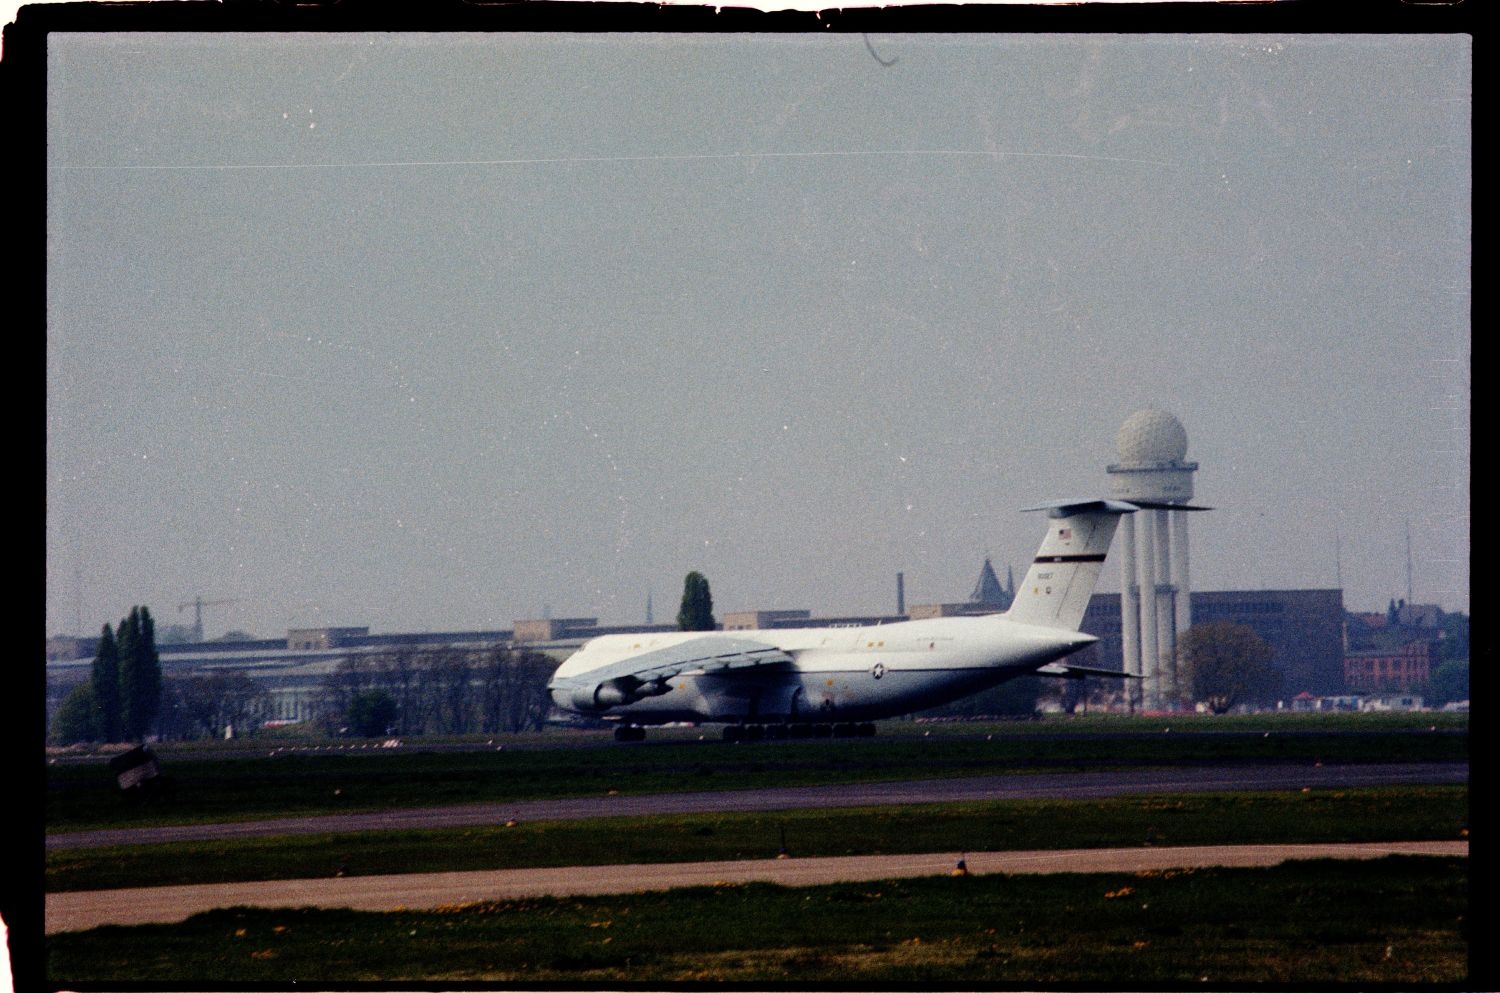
{"x":1153,"y":472}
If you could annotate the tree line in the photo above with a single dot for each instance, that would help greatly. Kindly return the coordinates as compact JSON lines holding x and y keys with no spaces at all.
{"x":438,"y":691}
{"x":442,"y":690}
{"x":123,"y":694}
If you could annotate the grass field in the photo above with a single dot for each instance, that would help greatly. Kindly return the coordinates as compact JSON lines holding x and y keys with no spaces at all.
{"x":1409,"y":813}
{"x":1394,"y":921}
{"x":257,"y":784}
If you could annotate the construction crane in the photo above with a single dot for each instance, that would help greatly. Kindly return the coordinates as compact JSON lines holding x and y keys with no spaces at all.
{"x":198,"y":603}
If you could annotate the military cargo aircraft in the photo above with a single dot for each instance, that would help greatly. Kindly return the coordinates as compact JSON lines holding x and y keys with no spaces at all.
{"x":833,"y":681}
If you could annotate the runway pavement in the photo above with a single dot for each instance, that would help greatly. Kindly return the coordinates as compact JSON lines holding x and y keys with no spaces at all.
{"x":1041,"y":785}
{"x":170,"y":904}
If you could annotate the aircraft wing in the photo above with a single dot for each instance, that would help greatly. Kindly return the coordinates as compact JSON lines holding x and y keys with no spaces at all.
{"x":647,"y":674}
{"x":1065,"y":671}
{"x":711,"y":653}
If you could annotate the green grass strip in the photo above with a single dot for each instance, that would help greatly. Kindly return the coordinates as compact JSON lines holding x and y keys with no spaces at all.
{"x":205,"y":789}
{"x":1348,"y":815}
{"x":1397,"y":921}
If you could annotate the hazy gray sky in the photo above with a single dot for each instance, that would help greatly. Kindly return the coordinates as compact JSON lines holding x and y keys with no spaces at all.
{"x":429,"y":332}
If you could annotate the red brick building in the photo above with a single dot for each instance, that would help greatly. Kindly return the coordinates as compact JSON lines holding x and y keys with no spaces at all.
{"x":1404,"y":669}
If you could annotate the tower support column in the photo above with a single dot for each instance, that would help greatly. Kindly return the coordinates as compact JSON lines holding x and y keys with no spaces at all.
{"x":1180,"y":571}
{"x":1130,"y":612}
{"x":1150,"y":654}
{"x":1166,"y":643}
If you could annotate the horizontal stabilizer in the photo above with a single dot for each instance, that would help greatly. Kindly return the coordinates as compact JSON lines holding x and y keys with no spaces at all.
{"x":1062,"y":670}
{"x":1067,"y":508}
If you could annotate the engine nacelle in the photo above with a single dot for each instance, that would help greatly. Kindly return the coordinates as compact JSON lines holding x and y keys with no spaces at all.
{"x":617,"y":693}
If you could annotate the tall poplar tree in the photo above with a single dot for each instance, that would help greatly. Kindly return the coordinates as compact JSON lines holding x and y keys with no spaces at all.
{"x":105,"y":679}
{"x":140,"y":674}
{"x":697,"y":613}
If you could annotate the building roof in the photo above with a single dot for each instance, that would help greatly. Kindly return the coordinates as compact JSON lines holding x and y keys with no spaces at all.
{"x":988,"y":591}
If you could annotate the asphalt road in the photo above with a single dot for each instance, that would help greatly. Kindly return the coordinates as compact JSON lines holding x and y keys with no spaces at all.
{"x":1046,"y":785}
{"x":171,"y":904}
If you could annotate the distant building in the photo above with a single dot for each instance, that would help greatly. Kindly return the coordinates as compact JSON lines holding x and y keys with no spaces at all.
{"x":770,"y":620}
{"x":1391,"y":701}
{"x":988,"y":592}
{"x":62,"y":647}
{"x":1307,"y":703}
{"x":965,"y":608}
{"x":756,"y":620}
{"x":1402,"y":669}
{"x":1305,"y":629}
{"x":311,"y":639}
{"x":576,"y":629}
{"x":1427,"y":616}
{"x":552,"y":628}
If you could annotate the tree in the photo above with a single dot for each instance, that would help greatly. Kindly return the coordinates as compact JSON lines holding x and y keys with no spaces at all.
{"x":451,"y":678}
{"x":371,"y":713}
{"x":1453,"y":639}
{"x":349,"y":678}
{"x":140,"y":674}
{"x":75,"y":718}
{"x":205,"y":706}
{"x":697,"y":613}
{"x":198,"y":705}
{"x":514,"y":690}
{"x":244,"y":702}
{"x":398,"y":675}
{"x":1227,"y":664}
{"x":1449,"y":683}
{"x":104,"y":681}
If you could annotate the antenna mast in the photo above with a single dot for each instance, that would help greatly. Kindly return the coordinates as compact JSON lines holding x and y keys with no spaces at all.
{"x":1409,"y":601}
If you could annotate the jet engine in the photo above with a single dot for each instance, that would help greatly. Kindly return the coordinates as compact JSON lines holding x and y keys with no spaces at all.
{"x":617,"y":692}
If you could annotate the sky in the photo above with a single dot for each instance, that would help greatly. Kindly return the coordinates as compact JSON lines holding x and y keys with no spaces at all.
{"x":433,"y":332}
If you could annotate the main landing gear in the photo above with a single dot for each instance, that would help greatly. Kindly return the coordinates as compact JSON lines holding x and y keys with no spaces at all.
{"x":630,"y":732}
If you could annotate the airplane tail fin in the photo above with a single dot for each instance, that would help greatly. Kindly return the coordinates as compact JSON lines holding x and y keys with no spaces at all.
{"x":1061,"y":580}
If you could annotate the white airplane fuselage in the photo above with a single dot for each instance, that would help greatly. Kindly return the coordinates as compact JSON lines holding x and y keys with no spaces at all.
{"x":854,"y":674}
{"x":833,"y":673}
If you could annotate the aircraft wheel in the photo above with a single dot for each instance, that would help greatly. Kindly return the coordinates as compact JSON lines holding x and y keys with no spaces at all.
{"x":732,"y":732}
{"x":799,"y":731}
{"x":867,"y":730}
{"x":822,"y":730}
{"x":843,"y":730}
{"x":630,"y":734}
{"x":755,"y":732}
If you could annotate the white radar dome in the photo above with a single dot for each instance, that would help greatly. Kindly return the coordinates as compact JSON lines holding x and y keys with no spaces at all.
{"x":1151,"y":436}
